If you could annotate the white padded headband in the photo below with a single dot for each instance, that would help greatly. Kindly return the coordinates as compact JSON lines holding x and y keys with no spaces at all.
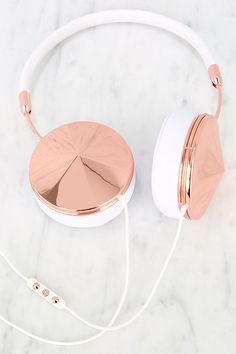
{"x":113,"y":16}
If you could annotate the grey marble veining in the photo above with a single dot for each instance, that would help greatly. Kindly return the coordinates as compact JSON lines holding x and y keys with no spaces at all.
{"x":129,"y":77}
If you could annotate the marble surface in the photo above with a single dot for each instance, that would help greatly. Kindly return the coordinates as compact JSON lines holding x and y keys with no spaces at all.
{"x":129,"y":77}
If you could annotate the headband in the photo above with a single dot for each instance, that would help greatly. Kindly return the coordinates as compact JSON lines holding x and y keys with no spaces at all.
{"x":108,"y":17}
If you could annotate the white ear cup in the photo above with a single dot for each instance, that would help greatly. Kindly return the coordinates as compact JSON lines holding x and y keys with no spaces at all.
{"x":92,"y":220}
{"x":166,"y":161}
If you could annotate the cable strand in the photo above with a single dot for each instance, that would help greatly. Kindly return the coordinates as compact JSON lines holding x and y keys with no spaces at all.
{"x":109,"y":327}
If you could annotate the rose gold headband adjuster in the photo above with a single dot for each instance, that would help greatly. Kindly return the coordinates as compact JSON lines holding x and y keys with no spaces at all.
{"x":217,"y":82}
{"x":25,"y":103}
{"x":26,"y":109}
{"x":215,"y":75}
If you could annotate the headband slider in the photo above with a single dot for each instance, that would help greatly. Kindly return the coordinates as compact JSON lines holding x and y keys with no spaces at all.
{"x":215,"y":75}
{"x":25,"y":103}
{"x":25,"y":107}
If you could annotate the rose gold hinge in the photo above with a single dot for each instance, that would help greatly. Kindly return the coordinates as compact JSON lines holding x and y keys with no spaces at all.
{"x":25,"y":103}
{"x":215,"y":75}
{"x":25,"y":106}
{"x":217,"y":82}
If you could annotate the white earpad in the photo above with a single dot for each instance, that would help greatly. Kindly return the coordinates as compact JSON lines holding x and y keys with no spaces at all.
{"x":166,"y":161}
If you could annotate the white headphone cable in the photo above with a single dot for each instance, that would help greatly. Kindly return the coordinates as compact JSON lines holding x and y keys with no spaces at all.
{"x":154,"y":288}
{"x":109,"y":326}
{"x":104,"y":329}
{"x":13,"y":268}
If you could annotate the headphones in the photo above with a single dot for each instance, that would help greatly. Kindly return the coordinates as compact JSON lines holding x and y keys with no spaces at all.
{"x":82,"y":174}
{"x":78,"y":171}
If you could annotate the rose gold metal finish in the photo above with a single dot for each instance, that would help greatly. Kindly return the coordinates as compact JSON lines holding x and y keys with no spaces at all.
{"x":201,"y":166}
{"x":32,"y":127}
{"x":217,"y":82}
{"x":81,"y":168}
{"x":45,"y":292}
{"x":26,"y":109}
{"x":215,"y":75}
{"x":36,"y":286}
{"x":25,"y":102}
{"x":55,"y":299}
{"x":219,"y":101}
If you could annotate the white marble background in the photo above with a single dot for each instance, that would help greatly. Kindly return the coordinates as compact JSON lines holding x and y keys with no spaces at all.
{"x":129,"y":77}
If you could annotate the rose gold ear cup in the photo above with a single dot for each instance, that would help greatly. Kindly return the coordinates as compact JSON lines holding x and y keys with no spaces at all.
{"x":201,"y":166}
{"x":81,"y":168}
